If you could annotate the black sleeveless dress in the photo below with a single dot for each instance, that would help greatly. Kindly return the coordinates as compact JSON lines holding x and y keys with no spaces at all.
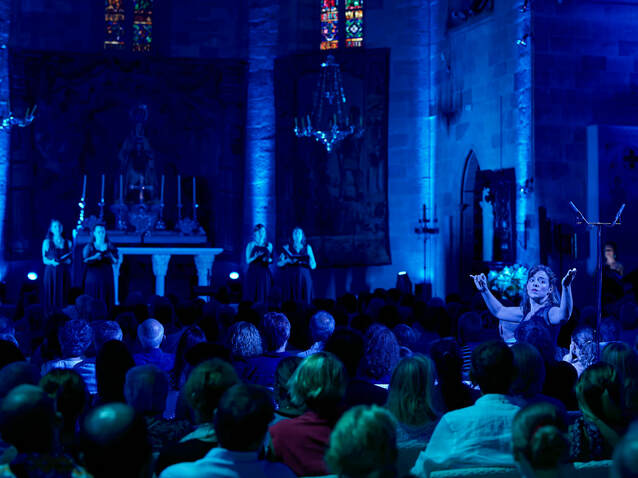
{"x":57,"y":279}
{"x":258,"y":276}
{"x":541,"y":318}
{"x":98,"y":276}
{"x":297,"y":283}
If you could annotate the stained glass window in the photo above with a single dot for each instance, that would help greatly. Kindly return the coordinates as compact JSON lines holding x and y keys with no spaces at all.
{"x":114,"y":16}
{"x":142,"y":25}
{"x":354,"y":23}
{"x":329,"y":24}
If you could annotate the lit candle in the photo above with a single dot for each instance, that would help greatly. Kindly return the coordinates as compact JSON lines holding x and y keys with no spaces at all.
{"x":162,"y":191}
{"x":194,"y":191}
{"x":121,"y":190}
{"x":179,"y":190}
{"x":296,"y":122}
{"x":102,"y":193}
{"x":84,"y":188}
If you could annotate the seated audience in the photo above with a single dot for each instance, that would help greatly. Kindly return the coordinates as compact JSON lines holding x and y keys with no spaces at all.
{"x":321,"y":327}
{"x":75,"y":338}
{"x":103,"y":331}
{"x":190,"y":337}
{"x":275,"y":332}
{"x":146,"y":389}
{"x":594,"y":435}
{"x":70,"y":397}
{"x":539,"y":441}
{"x":529,"y":376}
{"x":17,"y":373}
{"x":245,"y":346}
{"x":406,"y":337}
{"x":111,"y":365}
{"x":202,"y":391}
{"x":380,"y":355}
{"x":285,"y":408}
{"x":625,"y":360}
{"x":150,"y":335}
{"x":479,"y":435}
{"x":582,"y":350}
{"x":363,"y":444}
{"x":319,"y":384}
{"x":448,"y":360}
{"x":115,"y":443}
{"x":241,"y":421}
{"x":9,"y":353}
{"x":28,"y":422}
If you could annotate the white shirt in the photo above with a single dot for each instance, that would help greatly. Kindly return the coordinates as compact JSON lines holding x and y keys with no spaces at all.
{"x":223,"y":463}
{"x":479,"y":435}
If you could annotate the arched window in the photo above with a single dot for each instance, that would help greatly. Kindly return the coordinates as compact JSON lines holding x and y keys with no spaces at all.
{"x":128,"y":25}
{"x":338,"y":17}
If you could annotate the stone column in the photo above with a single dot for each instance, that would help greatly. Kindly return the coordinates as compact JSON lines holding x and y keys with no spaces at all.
{"x":204,"y":265}
{"x":116,"y":277}
{"x":5,"y":25}
{"x":160,"y":267}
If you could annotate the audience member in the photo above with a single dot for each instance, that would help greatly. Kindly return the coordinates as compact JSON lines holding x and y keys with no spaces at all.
{"x":479,"y":435}
{"x":103,"y":331}
{"x":191,"y":336}
{"x":624,"y":359}
{"x":594,"y":434}
{"x":111,"y":365}
{"x":363,"y":444}
{"x":582,"y":350}
{"x":625,"y":464}
{"x":381,"y":354}
{"x":241,"y":421}
{"x":75,"y":338}
{"x":539,"y":440}
{"x":322,"y":325}
{"x":529,"y":376}
{"x":150,"y":335}
{"x":115,"y":443}
{"x":319,"y":383}
{"x":245,"y":345}
{"x":17,"y":373}
{"x":9,"y":353}
{"x":285,"y":407}
{"x":275,"y":332}
{"x":448,"y":360}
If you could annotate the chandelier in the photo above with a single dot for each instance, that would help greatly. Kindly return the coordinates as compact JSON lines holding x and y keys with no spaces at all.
{"x":329,"y":123}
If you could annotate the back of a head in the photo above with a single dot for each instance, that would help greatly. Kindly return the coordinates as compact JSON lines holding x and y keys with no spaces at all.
{"x":146,"y":389}
{"x":205,"y":386}
{"x":405,"y":335}
{"x":150,"y":333}
{"x":17,"y":373}
{"x":319,"y":383}
{"x":412,"y":395}
{"x":244,"y":340}
{"x":539,"y":436}
{"x":75,"y":337}
{"x":529,"y":369}
{"x":9,"y":353}
{"x":68,"y":391}
{"x":598,"y":391}
{"x":625,"y":464}
{"x":322,"y":325}
{"x":27,"y":419}
{"x":106,"y":330}
{"x":363,"y":443}
{"x":115,"y":442}
{"x":470,"y":329}
{"x":536,"y":334}
{"x":609,"y":330}
{"x":347,"y":345}
{"x":285,"y":368}
{"x":275,"y":331}
{"x":623,"y":358}
{"x":111,"y":364}
{"x":448,"y":359}
{"x":381,"y":353}
{"x":492,"y":367}
{"x":583,"y":338}
{"x":243,"y":416}
{"x":83,"y":306}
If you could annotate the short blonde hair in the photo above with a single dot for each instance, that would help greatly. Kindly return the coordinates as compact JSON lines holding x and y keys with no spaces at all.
{"x":363,"y":443}
{"x":319,"y":382}
{"x":413,"y":398}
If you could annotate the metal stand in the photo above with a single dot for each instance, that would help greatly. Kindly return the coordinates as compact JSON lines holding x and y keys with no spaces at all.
{"x":580,"y":219}
{"x":425,"y":229}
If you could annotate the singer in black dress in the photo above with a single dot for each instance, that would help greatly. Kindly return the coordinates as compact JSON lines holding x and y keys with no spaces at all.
{"x":258,"y":276}
{"x":99,"y":256}
{"x":56,"y":256}
{"x":296,"y":261}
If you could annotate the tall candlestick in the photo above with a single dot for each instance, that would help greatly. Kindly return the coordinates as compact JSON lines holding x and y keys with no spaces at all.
{"x":121,"y":190}
{"x":162,"y":191}
{"x":102,"y":192}
{"x":194,"y":191}
{"x":179,"y":189}
{"x":84,"y":188}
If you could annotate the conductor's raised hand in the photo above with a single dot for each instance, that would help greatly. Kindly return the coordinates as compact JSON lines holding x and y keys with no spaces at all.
{"x":569,"y":277}
{"x":480,"y":281}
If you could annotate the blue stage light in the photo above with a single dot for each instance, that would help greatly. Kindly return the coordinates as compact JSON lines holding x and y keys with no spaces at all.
{"x":233,"y":275}
{"x":32,"y":276}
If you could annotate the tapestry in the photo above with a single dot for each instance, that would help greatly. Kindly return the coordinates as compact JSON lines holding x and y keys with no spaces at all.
{"x":339,"y":198}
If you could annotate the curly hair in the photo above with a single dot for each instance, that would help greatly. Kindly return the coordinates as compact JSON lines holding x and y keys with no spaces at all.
{"x":244,"y":340}
{"x":381,"y":352}
{"x":554,"y":295}
{"x":75,"y":337}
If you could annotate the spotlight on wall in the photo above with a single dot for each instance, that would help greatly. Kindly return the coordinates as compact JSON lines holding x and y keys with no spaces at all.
{"x":404,"y":284}
{"x":524,"y":40}
{"x":233,"y":275}
{"x":32,"y":276}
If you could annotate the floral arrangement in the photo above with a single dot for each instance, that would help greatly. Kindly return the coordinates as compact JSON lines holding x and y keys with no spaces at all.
{"x":509,"y":282}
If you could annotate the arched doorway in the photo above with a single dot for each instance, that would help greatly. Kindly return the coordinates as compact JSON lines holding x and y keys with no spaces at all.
{"x":470,"y":220}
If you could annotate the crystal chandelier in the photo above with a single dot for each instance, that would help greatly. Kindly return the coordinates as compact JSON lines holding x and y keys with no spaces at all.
{"x":329,"y":123}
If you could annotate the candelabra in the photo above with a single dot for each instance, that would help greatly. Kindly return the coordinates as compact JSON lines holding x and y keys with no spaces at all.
{"x":427,"y":227}
{"x":11,"y":120}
